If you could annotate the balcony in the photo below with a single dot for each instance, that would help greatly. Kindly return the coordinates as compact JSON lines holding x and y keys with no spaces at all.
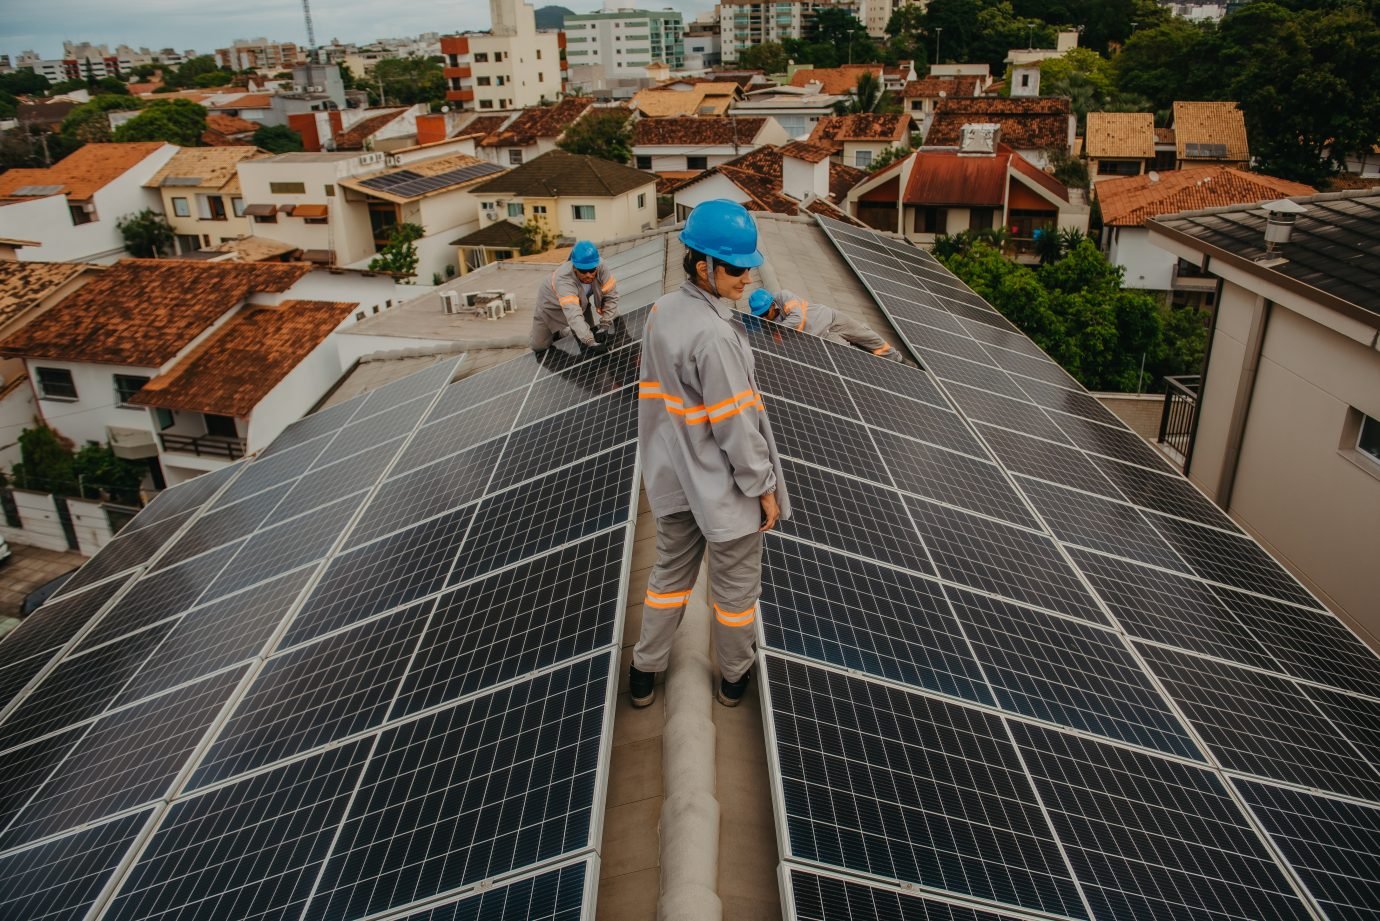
{"x":1186,"y":276}
{"x":459,"y":95}
{"x":458,"y":71}
{"x":203,"y":445}
{"x":1177,"y":417}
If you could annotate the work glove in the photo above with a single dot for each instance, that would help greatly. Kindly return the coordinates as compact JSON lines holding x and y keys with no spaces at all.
{"x":597,"y":347}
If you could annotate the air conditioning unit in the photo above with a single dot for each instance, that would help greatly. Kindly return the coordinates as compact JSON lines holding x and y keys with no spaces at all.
{"x":370,"y":159}
{"x":451,"y":302}
{"x":478,"y":298}
{"x":390,"y":160}
{"x":88,"y":207}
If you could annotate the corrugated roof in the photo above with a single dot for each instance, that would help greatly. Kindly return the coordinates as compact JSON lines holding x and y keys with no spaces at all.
{"x":539,"y":122}
{"x":861,"y":127}
{"x":1119,"y":134}
{"x":942,"y":177}
{"x":1026,"y":124}
{"x":213,"y":167}
{"x":1130,"y":201}
{"x":684,"y":130}
{"x":1211,"y":123}
{"x":557,"y":173}
{"x":84,"y":171}
{"x":142,"y":312}
{"x":234,"y":369}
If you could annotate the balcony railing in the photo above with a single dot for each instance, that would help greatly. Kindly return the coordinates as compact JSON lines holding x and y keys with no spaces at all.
{"x":203,"y":445}
{"x":1176,"y":419}
{"x":1191,"y":278}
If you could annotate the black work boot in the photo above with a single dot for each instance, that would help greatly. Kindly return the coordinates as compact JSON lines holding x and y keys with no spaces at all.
{"x":731,"y":692}
{"x":641,"y":686}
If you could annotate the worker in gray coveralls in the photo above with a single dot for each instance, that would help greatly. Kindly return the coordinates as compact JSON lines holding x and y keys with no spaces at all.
{"x":709,"y":461}
{"x":794,"y":311}
{"x":580,"y":298}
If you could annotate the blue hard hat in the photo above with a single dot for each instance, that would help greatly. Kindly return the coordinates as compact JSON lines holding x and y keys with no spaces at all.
{"x":759,"y":302}
{"x":723,"y":230}
{"x":585,"y":256}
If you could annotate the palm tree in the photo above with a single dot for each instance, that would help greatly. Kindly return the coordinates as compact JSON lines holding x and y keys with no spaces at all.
{"x":867,"y":95}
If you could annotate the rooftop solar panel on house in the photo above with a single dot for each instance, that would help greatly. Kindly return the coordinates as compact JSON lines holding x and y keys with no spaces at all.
{"x":407,"y":183}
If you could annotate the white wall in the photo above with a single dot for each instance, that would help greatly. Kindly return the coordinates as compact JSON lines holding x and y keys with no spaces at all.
{"x":39,"y":516}
{"x":17,"y":413}
{"x":295,"y":394}
{"x":715,"y":186}
{"x":85,"y":419}
{"x":91,"y":523}
{"x":347,"y":230}
{"x":1147,"y":266}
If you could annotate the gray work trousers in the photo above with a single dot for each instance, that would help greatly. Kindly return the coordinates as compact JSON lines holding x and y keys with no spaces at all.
{"x":543,"y":335}
{"x":862,"y":336}
{"x":735,"y":581}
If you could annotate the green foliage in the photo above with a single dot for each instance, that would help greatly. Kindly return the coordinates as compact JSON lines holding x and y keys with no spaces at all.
{"x":147,"y":233}
{"x":190,"y":73}
{"x":45,"y":462}
{"x":90,"y":121}
{"x":277,"y":139}
{"x":868,"y":96}
{"x":600,"y":133}
{"x":834,"y":37}
{"x":1168,"y":62}
{"x":400,"y":254}
{"x":33,"y":147}
{"x":177,"y":121}
{"x":1070,"y":170}
{"x":983,"y":31}
{"x":906,"y":37}
{"x":769,"y":57}
{"x":887,"y":157}
{"x":103,"y":475}
{"x":536,"y":236}
{"x":9,"y":105}
{"x":408,"y":81}
{"x":24,"y":83}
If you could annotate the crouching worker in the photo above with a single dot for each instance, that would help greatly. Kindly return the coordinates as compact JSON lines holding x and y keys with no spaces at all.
{"x":709,"y":461}
{"x":792,"y":310}
{"x":579,"y":300}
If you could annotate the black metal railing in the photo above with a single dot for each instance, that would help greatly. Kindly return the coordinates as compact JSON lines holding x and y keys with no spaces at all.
{"x":1180,"y":403}
{"x":204,"y":445}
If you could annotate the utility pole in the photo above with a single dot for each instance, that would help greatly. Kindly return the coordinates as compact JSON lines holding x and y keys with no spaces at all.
{"x":938,"y":31}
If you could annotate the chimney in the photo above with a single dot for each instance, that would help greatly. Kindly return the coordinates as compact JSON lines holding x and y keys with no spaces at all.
{"x":979,"y":140}
{"x":1280,"y":216}
{"x":803,"y":178}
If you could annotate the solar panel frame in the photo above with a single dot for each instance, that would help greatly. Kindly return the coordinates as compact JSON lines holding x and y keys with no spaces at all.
{"x":90,"y":858}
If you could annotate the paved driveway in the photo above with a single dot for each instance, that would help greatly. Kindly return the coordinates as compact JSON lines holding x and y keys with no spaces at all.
{"x":25,"y":570}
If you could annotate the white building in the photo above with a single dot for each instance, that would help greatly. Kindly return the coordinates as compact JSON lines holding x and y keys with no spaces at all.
{"x":512,"y":66}
{"x":743,"y":23}
{"x":701,"y":50}
{"x":795,"y":109}
{"x":625,"y":41}
{"x":690,"y":145}
{"x":72,"y":207}
{"x":1025,"y":64}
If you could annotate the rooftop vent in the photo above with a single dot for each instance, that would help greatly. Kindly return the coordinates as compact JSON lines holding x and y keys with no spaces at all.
{"x":1279,"y":226}
{"x":979,"y":140}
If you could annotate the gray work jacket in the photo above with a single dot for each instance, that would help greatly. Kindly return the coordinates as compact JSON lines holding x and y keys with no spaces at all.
{"x":800,"y":314}
{"x":561,"y":301}
{"x":702,"y":430}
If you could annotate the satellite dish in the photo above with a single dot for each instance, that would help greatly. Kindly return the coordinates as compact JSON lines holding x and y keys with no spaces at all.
{"x":445,"y":109}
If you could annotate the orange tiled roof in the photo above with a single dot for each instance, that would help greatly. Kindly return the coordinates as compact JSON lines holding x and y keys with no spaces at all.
{"x":230,"y":124}
{"x":539,"y":122}
{"x":1130,"y":135}
{"x":1132,"y":200}
{"x":757,"y":174}
{"x":142,"y":312}
{"x":24,"y":284}
{"x":836,"y":81}
{"x":352,"y":138}
{"x":1211,"y":123}
{"x":657,"y":102}
{"x":1026,"y":124}
{"x":1164,"y":135}
{"x":233,"y":370}
{"x":810,"y":153}
{"x":213,"y":166}
{"x":84,"y":171}
{"x":865,"y":127}
{"x":959,"y":87}
{"x":682,"y":130}
{"x":246,"y":101}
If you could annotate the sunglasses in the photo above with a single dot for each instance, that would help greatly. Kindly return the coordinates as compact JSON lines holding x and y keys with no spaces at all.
{"x":732,"y":271}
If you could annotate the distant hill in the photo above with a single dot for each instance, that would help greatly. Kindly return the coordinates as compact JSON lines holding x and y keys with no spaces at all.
{"x":552,"y":17}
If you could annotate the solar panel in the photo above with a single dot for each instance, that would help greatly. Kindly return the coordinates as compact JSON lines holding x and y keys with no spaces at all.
{"x":815,"y":896}
{"x":61,"y":878}
{"x":562,"y":894}
{"x":406,"y":183}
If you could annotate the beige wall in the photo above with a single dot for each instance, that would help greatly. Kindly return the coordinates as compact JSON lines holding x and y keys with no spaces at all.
{"x":214,"y":231}
{"x":1300,"y":487}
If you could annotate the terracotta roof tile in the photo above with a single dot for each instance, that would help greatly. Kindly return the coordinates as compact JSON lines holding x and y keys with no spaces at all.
{"x":1211,"y":123}
{"x":24,"y":284}
{"x":866,"y":127}
{"x":559,"y":173}
{"x":84,"y":171}
{"x":484,"y":124}
{"x":842,"y":179}
{"x":1119,"y":134}
{"x":353,"y":138}
{"x":539,"y":122}
{"x":1026,"y":124}
{"x":245,"y":101}
{"x":213,"y":166}
{"x":142,"y":312}
{"x":682,"y":130}
{"x":1164,"y":135}
{"x":1132,"y":200}
{"x":804,"y":150}
{"x":959,"y":87}
{"x":758,"y":175}
{"x":233,"y":370}
{"x":836,"y":81}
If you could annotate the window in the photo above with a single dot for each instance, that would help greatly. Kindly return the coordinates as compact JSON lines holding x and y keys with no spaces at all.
{"x":126,"y":386}
{"x":488,"y":206}
{"x":486,"y":103}
{"x":481,"y":57}
{"x":265,"y":218}
{"x":1025,"y":79}
{"x":288,"y":188}
{"x":1118,"y":167}
{"x":56,"y":384}
{"x":215,"y":206}
{"x":482,"y":81}
{"x":515,"y":157}
{"x":697,"y":163}
{"x":237,"y":206}
{"x":644,"y":163}
{"x":541,"y":78}
{"x":80,"y":215}
{"x":500,"y":80}
{"x":515,"y":209}
{"x":862,"y":158}
{"x":641,"y":200}
{"x":538,"y":58}
{"x":164,"y":417}
{"x":582,"y":212}
{"x":188,"y":243}
{"x":931,"y":220}
{"x":539,"y":209}
{"x":981,"y":218}
{"x":360,"y":315}
{"x":220,"y":426}
{"x":330,"y":190}
{"x":315,"y":220}
{"x":1368,"y":438}
{"x":181,"y":208}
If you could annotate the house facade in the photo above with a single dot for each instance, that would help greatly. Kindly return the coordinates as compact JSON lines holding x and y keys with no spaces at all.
{"x":200,"y":191}
{"x":512,"y":66}
{"x":624,"y":41}
{"x":1032,"y":127}
{"x":71,"y":208}
{"x":1119,"y":144}
{"x":1286,"y":422}
{"x":687,"y":145}
{"x":857,"y":140}
{"x":796,"y":110}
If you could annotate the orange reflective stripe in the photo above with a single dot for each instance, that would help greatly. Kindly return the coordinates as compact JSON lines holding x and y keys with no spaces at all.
{"x":729,"y":619}
{"x":733,"y":399}
{"x":570,"y":299}
{"x":881,"y":351}
{"x":608,"y":285}
{"x":804,"y":310}
{"x":748,"y":400}
{"x":666,"y":600}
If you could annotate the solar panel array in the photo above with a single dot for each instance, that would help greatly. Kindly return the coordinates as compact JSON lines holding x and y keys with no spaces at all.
{"x":406,"y":183}
{"x":368,"y":673}
{"x":1015,"y":666}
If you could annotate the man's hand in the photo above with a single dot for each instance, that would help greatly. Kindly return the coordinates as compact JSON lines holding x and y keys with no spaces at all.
{"x":593,"y":348}
{"x":771,"y":511}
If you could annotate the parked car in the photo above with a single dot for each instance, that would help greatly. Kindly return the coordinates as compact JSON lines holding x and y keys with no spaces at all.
{"x":34,"y":600}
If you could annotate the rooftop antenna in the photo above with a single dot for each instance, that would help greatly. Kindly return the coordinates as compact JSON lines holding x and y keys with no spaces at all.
{"x":311,"y":33}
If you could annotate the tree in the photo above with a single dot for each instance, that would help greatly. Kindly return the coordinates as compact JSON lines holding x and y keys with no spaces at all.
{"x":399,"y":255}
{"x":769,"y":57}
{"x":46,"y":462}
{"x":888,"y":156}
{"x":90,"y":121}
{"x":102,"y":475}
{"x":536,"y":236}
{"x":868,"y":96}
{"x":277,"y":139}
{"x":177,"y":121}
{"x":1167,"y":62}
{"x":33,"y":147}
{"x":24,"y":83}
{"x":906,"y":38}
{"x":147,"y":233}
{"x":408,"y":81}
{"x":186,"y":75}
{"x":600,"y":133}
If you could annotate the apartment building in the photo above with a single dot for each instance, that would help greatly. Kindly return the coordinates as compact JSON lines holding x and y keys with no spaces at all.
{"x":625,"y":41}
{"x":259,"y":54}
{"x":743,"y":23}
{"x":512,"y":66}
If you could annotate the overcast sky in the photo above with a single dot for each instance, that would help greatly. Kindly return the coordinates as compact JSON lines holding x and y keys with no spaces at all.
{"x":43,"y":25}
